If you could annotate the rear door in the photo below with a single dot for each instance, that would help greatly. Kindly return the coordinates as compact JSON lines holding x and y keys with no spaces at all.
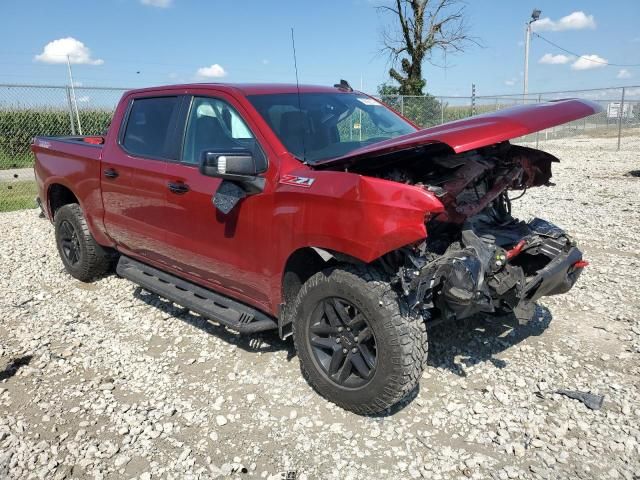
{"x":134,"y":174}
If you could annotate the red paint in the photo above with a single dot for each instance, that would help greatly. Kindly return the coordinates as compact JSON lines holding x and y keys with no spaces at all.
{"x":580,"y":264}
{"x":243,"y":254}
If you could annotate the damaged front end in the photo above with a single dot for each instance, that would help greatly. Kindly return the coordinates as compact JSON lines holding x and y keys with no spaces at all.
{"x":477,"y":257}
{"x":482,"y":274}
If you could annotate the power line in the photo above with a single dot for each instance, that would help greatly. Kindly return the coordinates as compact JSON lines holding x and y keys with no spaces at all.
{"x":584,"y":56}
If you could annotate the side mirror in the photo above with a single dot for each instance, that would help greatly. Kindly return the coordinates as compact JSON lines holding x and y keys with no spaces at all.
{"x":232,"y":165}
{"x":239,"y":174}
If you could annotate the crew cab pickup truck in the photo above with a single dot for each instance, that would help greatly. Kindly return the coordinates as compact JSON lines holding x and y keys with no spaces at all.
{"x":317,"y":212}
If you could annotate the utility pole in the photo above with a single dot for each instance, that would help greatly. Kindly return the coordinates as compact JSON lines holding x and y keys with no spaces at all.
{"x":360,"y":112}
{"x":73,"y":95}
{"x":535,"y":15}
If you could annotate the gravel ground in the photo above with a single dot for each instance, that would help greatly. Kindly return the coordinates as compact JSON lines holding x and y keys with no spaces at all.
{"x":105,"y":381}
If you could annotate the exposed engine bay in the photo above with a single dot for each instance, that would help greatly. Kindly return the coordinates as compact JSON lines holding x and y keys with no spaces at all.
{"x":477,"y":257}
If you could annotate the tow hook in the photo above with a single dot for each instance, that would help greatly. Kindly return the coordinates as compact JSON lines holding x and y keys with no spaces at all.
{"x":515,"y":251}
{"x":580,"y":264}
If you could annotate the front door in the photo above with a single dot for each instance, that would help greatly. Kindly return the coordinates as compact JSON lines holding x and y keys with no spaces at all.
{"x":220,"y":251}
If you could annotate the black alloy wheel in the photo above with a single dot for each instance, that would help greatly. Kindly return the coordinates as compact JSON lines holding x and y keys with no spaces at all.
{"x":342,"y":342}
{"x":69,"y":242}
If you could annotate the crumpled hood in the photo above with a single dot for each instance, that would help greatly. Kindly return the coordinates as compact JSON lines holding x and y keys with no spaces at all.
{"x":479,"y":131}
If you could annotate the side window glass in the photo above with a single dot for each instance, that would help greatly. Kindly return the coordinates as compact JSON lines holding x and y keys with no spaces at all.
{"x":214,"y":125}
{"x":147,"y":127}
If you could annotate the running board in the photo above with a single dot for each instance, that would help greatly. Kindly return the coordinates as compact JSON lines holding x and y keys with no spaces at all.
{"x":216,"y":307}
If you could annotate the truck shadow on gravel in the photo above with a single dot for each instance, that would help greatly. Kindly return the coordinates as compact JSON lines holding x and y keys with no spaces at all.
{"x":13,"y":366}
{"x":263,"y":342}
{"x":457,"y":346}
{"x":454,"y":346}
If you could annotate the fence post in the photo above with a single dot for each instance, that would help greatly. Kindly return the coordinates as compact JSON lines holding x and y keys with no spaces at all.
{"x":473,"y":99}
{"x":73,"y":127}
{"x":441,"y":110}
{"x":402,"y":105}
{"x":620,"y":114}
{"x":538,"y":132}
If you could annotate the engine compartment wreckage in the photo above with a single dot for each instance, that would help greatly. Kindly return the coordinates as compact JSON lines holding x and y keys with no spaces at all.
{"x":477,"y":257}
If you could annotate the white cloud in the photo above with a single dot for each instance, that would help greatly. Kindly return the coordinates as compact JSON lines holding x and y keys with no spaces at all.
{"x":214,"y":71}
{"x":157,"y":3}
{"x":624,"y":73}
{"x":510,"y":83}
{"x":57,"y":51}
{"x":574,"y":21}
{"x":551,"y":59}
{"x":588,"y":62}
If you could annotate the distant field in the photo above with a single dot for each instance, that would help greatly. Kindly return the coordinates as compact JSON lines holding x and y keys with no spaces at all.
{"x":17,"y":195}
{"x":19,"y":126}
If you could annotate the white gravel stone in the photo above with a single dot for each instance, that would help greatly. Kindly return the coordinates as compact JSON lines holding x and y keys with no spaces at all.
{"x":221,"y":420}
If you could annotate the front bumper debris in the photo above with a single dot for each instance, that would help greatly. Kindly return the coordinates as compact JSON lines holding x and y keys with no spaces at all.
{"x":495,"y":270}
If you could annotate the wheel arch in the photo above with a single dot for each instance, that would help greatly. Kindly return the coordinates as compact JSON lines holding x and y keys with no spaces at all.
{"x":59,"y":195}
{"x":301,"y":265}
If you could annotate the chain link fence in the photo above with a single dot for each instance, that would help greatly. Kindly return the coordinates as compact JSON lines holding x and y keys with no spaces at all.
{"x":620,"y":116}
{"x":30,"y":110}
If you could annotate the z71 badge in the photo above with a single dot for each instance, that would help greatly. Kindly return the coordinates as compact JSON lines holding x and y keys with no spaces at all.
{"x":297,"y":181}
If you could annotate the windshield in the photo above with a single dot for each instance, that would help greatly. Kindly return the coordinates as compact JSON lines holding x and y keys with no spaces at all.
{"x":320,"y":126}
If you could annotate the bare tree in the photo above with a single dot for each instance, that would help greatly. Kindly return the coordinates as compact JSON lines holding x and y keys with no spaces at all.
{"x":426,"y":28}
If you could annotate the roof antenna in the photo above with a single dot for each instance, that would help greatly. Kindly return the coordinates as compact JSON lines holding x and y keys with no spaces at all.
{"x":304,"y":127}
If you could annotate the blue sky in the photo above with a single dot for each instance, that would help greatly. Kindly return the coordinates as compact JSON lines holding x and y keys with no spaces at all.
{"x":132,"y":43}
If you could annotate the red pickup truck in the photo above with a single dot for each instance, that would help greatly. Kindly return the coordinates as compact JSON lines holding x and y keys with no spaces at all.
{"x":314,"y":211}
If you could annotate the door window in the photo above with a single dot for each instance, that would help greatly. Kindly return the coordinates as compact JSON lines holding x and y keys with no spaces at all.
{"x":148,"y":124}
{"x":214,"y":125}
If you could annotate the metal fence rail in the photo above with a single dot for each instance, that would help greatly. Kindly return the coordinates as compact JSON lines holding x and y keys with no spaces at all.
{"x":30,"y":110}
{"x":621,"y":111}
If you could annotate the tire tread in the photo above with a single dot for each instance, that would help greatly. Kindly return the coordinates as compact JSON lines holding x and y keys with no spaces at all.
{"x":97,"y":260}
{"x":406,"y":331}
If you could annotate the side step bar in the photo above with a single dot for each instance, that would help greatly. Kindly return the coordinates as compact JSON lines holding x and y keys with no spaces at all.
{"x":216,"y":307}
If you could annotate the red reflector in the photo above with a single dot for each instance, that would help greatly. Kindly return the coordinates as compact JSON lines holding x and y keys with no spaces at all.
{"x":580,"y":264}
{"x":94,"y":140}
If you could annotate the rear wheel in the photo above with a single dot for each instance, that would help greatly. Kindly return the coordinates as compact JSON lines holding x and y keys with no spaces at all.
{"x":358,"y":345}
{"x":81,"y":255}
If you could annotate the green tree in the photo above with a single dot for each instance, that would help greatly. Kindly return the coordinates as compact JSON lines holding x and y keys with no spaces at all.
{"x":422,"y":29}
{"x":423,"y":110}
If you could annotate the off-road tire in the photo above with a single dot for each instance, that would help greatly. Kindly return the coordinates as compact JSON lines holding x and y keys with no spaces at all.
{"x":93,"y":259}
{"x":401,"y":338}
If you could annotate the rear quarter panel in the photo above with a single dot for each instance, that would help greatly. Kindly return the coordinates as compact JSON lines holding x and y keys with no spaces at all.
{"x":76,"y":166}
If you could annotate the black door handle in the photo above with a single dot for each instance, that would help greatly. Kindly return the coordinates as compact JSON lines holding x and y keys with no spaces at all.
{"x":178,"y":188}
{"x":110,"y":173}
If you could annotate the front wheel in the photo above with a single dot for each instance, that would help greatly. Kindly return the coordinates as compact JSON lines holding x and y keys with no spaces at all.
{"x":358,"y":345}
